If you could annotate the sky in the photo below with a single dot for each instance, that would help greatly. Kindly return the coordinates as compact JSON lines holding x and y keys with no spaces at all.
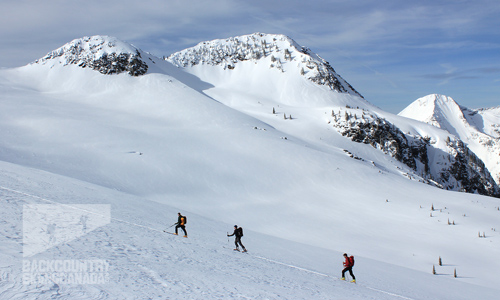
{"x":392,"y":52}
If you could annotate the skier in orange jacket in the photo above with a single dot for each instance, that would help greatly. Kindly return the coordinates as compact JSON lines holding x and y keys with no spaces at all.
{"x":181,"y":223}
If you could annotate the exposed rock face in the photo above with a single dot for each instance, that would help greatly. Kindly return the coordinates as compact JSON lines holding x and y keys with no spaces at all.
{"x":468,"y":171}
{"x":117,"y":63}
{"x":458,"y":169}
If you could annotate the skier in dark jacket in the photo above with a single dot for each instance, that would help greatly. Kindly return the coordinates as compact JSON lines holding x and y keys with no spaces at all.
{"x":348,"y":264}
{"x":238,"y":233}
{"x":181,"y":223}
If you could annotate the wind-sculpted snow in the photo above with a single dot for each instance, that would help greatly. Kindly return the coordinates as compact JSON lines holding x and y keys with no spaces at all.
{"x":485,"y":119}
{"x":276,"y":50}
{"x":104,"y":54}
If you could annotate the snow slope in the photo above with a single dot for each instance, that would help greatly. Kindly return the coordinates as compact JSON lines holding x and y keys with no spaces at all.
{"x":478,"y":128}
{"x":146,"y":263}
{"x":172,"y":138}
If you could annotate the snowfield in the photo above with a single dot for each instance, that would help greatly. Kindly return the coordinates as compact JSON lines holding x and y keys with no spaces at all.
{"x":205,"y":142}
{"x":146,"y":263}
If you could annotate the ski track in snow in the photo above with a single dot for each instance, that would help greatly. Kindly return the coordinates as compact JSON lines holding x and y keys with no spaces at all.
{"x":325,"y":275}
{"x":150,"y":273}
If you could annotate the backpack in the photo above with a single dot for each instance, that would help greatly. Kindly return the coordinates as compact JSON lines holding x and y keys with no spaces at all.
{"x":351,"y":260}
{"x":185,"y":220}
{"x":240,"y":231}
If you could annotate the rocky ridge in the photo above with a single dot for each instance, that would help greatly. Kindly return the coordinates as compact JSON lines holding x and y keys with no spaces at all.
{"x":277,"y":50}
{"x":457,"y":168}
{"x":104,"y":54}
{"x":477,"y":128}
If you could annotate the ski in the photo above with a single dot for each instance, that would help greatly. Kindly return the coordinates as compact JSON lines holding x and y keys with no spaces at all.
{"x":235,"y":250}
{"x":172,"y":233}
{"x":244,"y":251}
{"x":352,"y":281}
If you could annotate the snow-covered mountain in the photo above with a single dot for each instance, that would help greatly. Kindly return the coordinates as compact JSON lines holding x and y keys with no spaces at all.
{"x":273,"y":51}
{"x":105,"y":54}
{"x":268,"y":71}
{"x":477,"y":128}
{"x":228,"y":136}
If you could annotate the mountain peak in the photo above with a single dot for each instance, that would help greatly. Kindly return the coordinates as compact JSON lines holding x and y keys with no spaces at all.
{"x":434,"y":109}
{"x":477,"y":128}
{"x":277,"y":50}
{"x":105,"y":54}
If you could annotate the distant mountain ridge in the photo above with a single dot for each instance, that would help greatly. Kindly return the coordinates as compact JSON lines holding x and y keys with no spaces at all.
{"x":109,"y":55}
{"x":477,"y":128}
{"x":278,"y":48}
{"x":451,"y":166}
{"x":273,"y":70}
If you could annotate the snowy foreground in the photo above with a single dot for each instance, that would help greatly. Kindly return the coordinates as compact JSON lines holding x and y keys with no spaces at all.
{"x":146,"y":263}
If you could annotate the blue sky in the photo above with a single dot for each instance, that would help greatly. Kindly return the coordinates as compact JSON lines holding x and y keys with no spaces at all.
{"x":391,"y":51}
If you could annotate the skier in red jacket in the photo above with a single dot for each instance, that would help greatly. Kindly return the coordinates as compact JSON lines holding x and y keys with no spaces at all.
{"x":348,"y":264}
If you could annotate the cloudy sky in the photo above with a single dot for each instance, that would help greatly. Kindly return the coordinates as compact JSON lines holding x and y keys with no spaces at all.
{"x":391,"y":51}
